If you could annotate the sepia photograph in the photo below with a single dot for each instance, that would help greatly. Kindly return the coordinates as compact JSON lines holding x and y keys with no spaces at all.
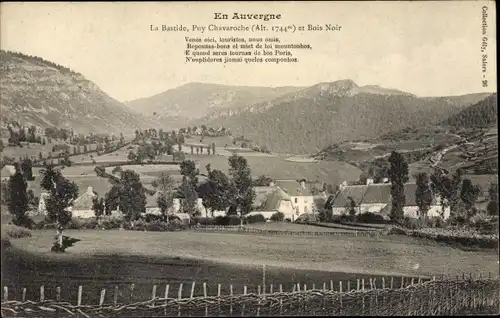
{"x":245,"y":159}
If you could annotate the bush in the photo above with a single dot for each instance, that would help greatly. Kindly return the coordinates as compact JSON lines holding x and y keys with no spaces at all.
{"x":255,"y":218}
{"x":483,"y":223}
{"x":435,"y":222}
{"x":410,"y":223}
{"x":109,"y":223}
{"x":325,"y":215}
{"x":278,"y":216}
{"x":369,"y":217}
{"x":307,"y":218}
{"x":202,"y":221}
{"x":24,"y":221}
{"x":227,"y":220}
{"x":78,"y":224}
{"x":14,"y":231}
{"x":346,"y":218}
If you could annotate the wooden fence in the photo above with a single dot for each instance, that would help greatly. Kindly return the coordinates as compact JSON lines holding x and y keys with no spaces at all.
{"x":244,"y":229}
{"x":461,"y":295}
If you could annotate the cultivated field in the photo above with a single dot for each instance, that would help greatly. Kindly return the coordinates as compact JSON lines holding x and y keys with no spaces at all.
{"x":103,"y":259}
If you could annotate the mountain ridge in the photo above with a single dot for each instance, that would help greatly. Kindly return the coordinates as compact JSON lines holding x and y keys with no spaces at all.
{"x":42,"y":93}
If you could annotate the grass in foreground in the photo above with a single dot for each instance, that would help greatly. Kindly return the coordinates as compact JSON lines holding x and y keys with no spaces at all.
{"x":107,"y":258}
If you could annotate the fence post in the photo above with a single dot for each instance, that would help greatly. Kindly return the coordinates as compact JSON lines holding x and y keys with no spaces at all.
{"x":5,"y":293}
{"x":358,"y":286}
{"x":205,"y":296}
{"x":179,"y":297}
{"x":80,"y":290}
{"x":24,"y":295}
{"x":271,"y":289}
{"x":258,"y":304}
{"x":231,"y":301}
{"x":363,"y":291}
{"x":115,"y":296}
{"x":348,"y":286}
{"x":340,"y":290}
{"x":192,"y":289}
{"x":42,"y":294}
{"x":281,"y":300}
{"x":218,"y":297}
{"x":58,"y":293}
{"x":103,"y":294}
{"x":264,"y":278}
{"x":132,"y":286}
{"x":402,"y":282}
{"x":244,"y":293}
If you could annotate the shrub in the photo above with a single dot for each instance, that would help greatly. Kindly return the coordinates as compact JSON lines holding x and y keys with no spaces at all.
{"x":109,"y":223}
{"x":278,"y":216}
{"x":227,"y":220}
{"x":369,"y":217}
{"x":483,"y":223}
{"x":24,"y":221}
{"x":435,"y":222}
{"x":410,"y":223}
{"x":202,"y":220}
{"x":325,"y":215}
{"x":307,"y":218}
{"x":255,"y":218}
{"x":14,"y":231}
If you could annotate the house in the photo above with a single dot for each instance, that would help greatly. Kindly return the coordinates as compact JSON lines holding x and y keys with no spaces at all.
{"x":7,"y":171}
{"x":301,"y":197}
{"x":83,"y":205}
{"x":290,"y":197}
{"x":376,"y":198}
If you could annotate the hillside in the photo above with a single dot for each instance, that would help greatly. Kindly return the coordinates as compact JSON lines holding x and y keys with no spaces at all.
{"x":195,"y":100}
{"x":481,"y":114}
{"x":42,"y":93}
{"x":310,"y":119}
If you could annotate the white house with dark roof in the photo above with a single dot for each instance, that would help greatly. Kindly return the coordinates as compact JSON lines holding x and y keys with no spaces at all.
{"x":376,"y":198}
{"x":290,"y":197}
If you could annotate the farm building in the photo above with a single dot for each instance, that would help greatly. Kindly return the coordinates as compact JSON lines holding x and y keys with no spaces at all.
{"x":376,"y":198}
{"x":82,"y":206}
{"x":7,"y":171}
{"x":290,"y":197}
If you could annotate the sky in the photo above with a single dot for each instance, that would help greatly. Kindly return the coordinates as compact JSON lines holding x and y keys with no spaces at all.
{"x":425,"y":48}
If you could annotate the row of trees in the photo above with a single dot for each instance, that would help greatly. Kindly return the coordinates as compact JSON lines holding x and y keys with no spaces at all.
{"x":457,"y":193}
{"x":218,"y":192}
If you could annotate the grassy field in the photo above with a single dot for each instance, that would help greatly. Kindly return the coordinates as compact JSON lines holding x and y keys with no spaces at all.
{"x":107,"y":258}
{"x":294,"y":227}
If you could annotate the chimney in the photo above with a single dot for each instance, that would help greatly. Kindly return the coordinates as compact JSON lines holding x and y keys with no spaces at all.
{"x":90,"y":190}
{"x":272,"y":184}
{"x":343,"y":185}
{"x":369,"y":181}
{"x":303,"y":184}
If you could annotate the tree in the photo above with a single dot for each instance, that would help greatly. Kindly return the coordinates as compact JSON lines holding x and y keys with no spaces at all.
{"x":492,"y":207}
{"x":17,"y":199}
{"x":262,"y":181}
{"x":243,"y":193}
{"x":215,"y":192}
{"x":164,"y":186}
{"x":187,"y":189}
{"x":213,"y":148}
{"x":62,"y":193}
{"x":423,"y":194}
{"x":132,"y":157}
{"x":469,"y":194}
{"x":132,"y":197}
{"x":398,"y":173}
{"x":351,"y":207}
{"x":98,"y":208}
{"x":1,"y":145}
{"x":27,"y":169}
{"x":112,"y":199}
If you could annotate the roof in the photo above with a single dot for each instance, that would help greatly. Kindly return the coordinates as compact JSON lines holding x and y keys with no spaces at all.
{"x":7,"y":171}
{"x":356,"y":192}
{"x":273,"y":200}
{"x":372,"y":194}
{"x":261,"y":194}
{"x":377,"y":193}
{"x":293,"y":188}
{"x":85,"y":201}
